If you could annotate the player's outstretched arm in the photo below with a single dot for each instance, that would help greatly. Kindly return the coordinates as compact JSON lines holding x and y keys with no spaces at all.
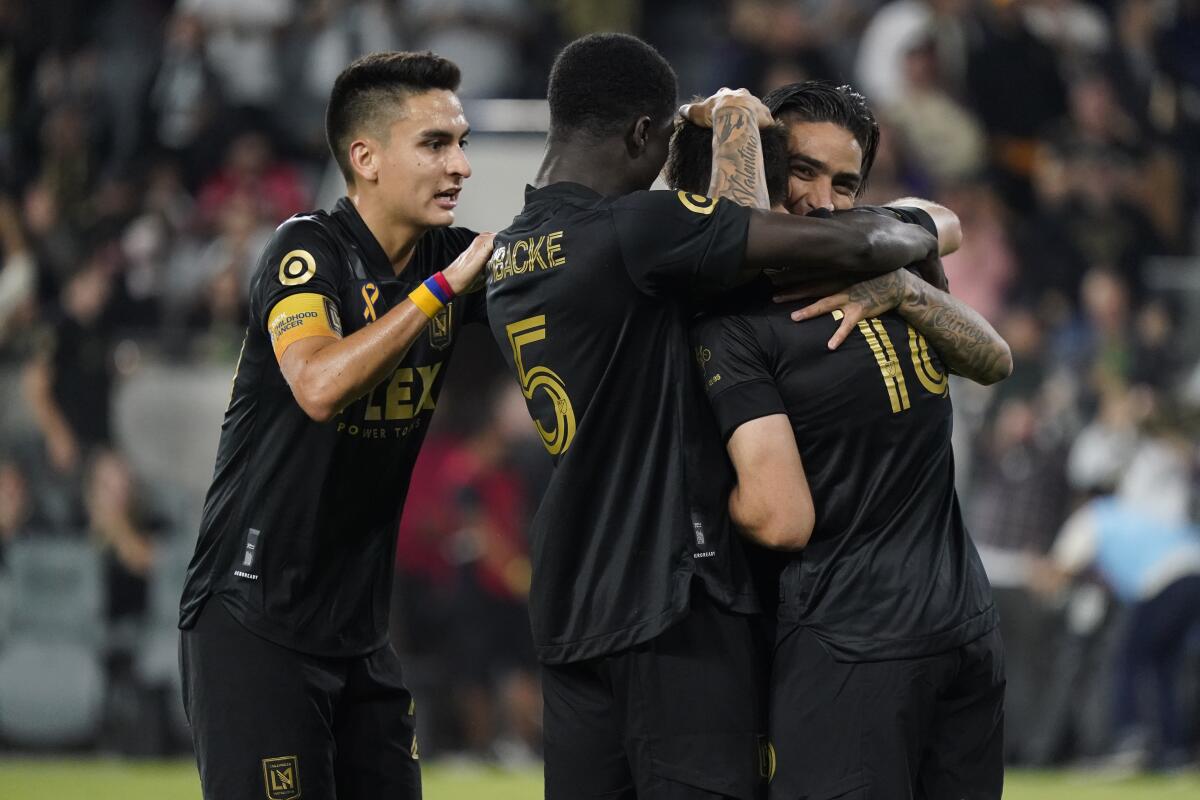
{"x":771,"y":503}
{"x":966,"y":342}
{"x":326,"y":374}
{"x":855,"y":244}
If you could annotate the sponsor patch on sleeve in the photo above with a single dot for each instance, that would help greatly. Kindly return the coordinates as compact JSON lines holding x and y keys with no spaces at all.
{"x":697,"y":202}
{"x":299,"y":316}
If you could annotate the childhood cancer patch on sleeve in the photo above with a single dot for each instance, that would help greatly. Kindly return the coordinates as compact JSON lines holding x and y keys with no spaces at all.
{"x":299,"y":316}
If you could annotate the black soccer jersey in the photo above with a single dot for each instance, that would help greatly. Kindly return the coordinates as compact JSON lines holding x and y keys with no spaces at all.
{"x":890,"y":571}
{"x":299,"y":528}
{"x":587,"y":296}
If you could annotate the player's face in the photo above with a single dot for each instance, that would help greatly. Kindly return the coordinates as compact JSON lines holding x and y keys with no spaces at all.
{"x":824,"y":166}
{"x":422,"y":165}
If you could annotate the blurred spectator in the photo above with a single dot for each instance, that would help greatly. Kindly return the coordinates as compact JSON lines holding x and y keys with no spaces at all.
{"x":894,"y":30}
{"x":1105,"y":343}
{"x":772,"y":42}
{"x":1022,"y":459}
{"x":1014,"y":82}
{"x":18,"y":51}
{"x":1156,"y":358}
{"x":984,"y":269}
{"x":1019,"y":459}
{"x":124,"y":530}
{"x":463,"y":535}
{"x":56,"y":243}
{"x":18,"y":273}
{"x":942,"y":134}
{"x":1148,"y":555}
{"x":17,"y":510}
{"x":483,"y":37}
{"x":69,"y":381}
{"x":240,"y":45}
{"x":252,"y":173}
{"x":241,"y":233}
{"x":1075,"y":29}
{"x":68,"y":164}
{"x":329,"y":35}
{"x":184,"y":93}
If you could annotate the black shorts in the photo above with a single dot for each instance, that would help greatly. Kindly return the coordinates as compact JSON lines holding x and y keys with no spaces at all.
{"x":680,"y":716}
{"x":914,"y":728}
{"x":275,"y":723}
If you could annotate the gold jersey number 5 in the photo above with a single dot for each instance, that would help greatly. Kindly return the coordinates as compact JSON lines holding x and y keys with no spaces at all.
{"x":520,"y":334}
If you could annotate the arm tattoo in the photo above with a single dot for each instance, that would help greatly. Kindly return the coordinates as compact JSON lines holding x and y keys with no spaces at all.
{"x":879,"y":294}
{"x":965,"y":340}
{"x":738,"y":173}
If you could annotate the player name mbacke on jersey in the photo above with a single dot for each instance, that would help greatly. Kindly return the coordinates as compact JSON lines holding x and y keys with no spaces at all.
{"x":299,"y":529}
{"x":889,"y":571}
{"x":588,"y":299}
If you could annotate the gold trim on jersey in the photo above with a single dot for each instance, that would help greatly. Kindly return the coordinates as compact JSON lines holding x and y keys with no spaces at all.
{"x":889,"y":366}
{"x":934,"y":382}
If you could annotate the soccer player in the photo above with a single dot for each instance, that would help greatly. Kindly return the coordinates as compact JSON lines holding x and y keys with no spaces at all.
{"x":887,"y":678}
{"x":639,"y":594}
{"x":289,"y":681}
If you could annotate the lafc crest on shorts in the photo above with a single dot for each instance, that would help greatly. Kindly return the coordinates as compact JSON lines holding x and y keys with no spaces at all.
{"x":440,"y":330}
{"x":281,"y":777}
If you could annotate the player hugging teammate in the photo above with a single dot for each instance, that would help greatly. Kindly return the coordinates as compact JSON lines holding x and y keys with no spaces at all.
{"x":887,"y":677}
{"x":655,"y":677}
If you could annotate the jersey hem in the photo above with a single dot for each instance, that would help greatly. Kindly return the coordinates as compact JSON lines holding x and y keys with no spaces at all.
{"x":855,"y":650}
{"x":286,"y":639}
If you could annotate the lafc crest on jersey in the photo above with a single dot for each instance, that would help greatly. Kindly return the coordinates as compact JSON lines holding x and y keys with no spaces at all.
{"x":441,"y":329}
{"x":282,"y":777}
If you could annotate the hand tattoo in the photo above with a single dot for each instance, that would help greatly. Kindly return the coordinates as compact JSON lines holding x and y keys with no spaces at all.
{"x":738,"y":173}
{"x":879,"y":294}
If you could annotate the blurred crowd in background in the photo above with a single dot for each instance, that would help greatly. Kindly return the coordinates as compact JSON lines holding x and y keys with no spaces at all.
{"x":148,"y":149}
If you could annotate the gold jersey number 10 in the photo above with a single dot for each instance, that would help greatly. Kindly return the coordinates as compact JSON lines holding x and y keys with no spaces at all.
{"x":889,"y":364}
{"x":520,"y":334}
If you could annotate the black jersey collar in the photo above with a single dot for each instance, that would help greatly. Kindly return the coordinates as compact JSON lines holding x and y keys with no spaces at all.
{"x":559,"y":189}
{"x":375,"y":259}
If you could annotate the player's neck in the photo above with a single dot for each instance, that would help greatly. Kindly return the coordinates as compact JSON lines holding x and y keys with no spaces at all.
{"x":594,"y":165}
{"x":397,"y":239}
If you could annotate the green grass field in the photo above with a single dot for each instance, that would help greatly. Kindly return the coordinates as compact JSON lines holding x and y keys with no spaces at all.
{"x":54,"y":779}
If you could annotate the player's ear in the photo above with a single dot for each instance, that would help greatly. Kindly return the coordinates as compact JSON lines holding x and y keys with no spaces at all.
{"x":364,"y":160}
{"x":637,"y":137}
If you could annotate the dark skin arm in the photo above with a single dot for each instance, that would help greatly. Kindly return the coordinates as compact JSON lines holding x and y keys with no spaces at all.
{"x":853,"y":245}
{"x":856,"y":244}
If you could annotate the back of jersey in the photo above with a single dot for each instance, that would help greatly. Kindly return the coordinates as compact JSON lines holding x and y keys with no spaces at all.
{"x":587,"y":301}
{"x":890,"y":571}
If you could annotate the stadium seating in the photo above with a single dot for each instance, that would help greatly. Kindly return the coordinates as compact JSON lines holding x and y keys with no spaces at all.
{"x":51,"y":673}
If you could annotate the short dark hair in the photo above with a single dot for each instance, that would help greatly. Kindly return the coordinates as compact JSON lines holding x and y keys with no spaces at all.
{"x":689,"y":164}
{"x":364,"y":90}
{"x":602,"y":80}
{"x":821,"y":101}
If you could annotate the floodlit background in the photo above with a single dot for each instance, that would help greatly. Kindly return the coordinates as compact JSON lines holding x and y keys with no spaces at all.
{"x":148,"y":148}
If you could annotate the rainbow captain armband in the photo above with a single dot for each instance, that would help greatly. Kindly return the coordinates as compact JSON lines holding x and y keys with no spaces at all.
{"x":432,"y":295}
